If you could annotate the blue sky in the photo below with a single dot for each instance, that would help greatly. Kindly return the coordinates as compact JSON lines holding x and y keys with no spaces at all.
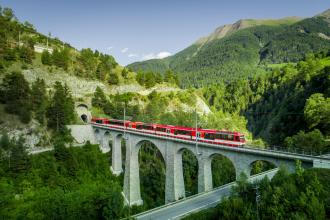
{"x":133,"y":30}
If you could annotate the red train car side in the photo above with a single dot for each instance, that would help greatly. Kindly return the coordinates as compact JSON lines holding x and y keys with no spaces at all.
{"x":234,"y":139}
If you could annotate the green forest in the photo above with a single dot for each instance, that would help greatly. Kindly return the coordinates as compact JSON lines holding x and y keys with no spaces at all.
{"x":67,"y":183}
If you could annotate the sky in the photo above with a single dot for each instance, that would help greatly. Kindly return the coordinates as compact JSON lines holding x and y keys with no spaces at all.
{"x":135,"y":30}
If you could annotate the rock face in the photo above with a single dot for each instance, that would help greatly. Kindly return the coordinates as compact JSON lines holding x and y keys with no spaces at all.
{"x":34,"y":135}
{"x":79,"y":87}
{"x":85,"y":87}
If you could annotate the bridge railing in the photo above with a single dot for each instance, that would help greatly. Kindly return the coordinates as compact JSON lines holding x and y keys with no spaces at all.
{"x":297,"y":151}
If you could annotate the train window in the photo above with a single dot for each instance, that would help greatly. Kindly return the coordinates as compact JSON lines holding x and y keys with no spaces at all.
{"x":230,"y":137}
{"x":139,"y":126}
{"x":220,"y":136}
{"x":209,"y":136}
{"x":242,"y":138}
{"x":117,"y":123}
{"x":198,"y":134}
{"x":182,"y":132}
{"x":99,"y":121}
{"x":168,"y":131}
{"x":148,"y":127}
{"x":161,"y":129}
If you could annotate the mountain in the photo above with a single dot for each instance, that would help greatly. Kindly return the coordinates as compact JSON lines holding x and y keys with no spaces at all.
{"x":244,"y":49}
{"x":228,"y":29}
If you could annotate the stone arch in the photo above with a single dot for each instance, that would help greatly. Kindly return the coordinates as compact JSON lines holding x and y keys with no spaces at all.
{"x":226,"y":166}
{"x":106,"y":137}
{"x":118,"y":152}
{"x":149,"y":154}
{"x":159,"y":146}
{"x":97,"y":134}
{"x":83,"y":113}
{"x":183,"y":148}
{"x":82,"y":105}
{"x":190,"y":170}
{"x":262,"y":165}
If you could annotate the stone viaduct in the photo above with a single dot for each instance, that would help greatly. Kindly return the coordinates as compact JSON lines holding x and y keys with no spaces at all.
{"x":171,"y":150}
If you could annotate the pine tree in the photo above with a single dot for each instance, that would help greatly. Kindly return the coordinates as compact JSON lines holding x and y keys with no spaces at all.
{"x":19,"y":159}
{"x":61,"y":58}
{"x":113,"y":79}
{"x":99,"y":99}
{"x":16,"y":92}
{"x":61,"y":109}
{"x":46,"y":58}
{"x":39,"y":99}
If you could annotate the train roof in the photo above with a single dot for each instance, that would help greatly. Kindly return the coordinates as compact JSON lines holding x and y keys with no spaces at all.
{"x":164,"y":126}
{"x":119,"y":120}
{"x":138,"y":122}
{"x":100,"y":118}
{"x":220,"y":131}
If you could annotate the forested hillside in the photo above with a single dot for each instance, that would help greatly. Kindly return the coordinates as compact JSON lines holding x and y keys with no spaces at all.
{"x":291,"y":101}
{"x":244,"y":53}
{"x":68,"y":183}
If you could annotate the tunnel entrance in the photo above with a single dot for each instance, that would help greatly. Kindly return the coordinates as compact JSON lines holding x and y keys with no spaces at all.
{"x":84,"y":118}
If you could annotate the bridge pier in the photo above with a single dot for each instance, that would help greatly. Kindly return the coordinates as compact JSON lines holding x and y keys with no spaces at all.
{"x":174,"y":186}
{"x":131,"y":192}
{"x":116,"y":167}
{"x":204,"y":174}
{"x":104,"y":142}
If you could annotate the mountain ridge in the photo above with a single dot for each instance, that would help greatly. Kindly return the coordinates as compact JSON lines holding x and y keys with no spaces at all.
{"x":227,"y":29}
{"x":244,"y":49}
{"x":326,"y":14}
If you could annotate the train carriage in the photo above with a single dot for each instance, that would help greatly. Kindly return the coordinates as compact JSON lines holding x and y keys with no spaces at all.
{"x":228,"y":138}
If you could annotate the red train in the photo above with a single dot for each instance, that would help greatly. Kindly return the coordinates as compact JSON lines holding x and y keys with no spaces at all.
{"x":234,"y":139}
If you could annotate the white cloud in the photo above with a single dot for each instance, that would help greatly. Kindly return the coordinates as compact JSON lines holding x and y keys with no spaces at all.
{"x":124,"y":50}
{"x":163,"y":54}
{"x":159,"y":55}
{"x":133,"y":55}
{"x":148,"y":56}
